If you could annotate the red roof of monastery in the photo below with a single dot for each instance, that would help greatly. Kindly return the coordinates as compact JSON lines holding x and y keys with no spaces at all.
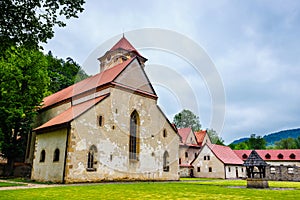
{"x":184,"y":132}
{"x":272,"y":155}
{"x":123,"y":43}
{"x":85,"y":85}
{"x":71,"y":113}
{"x":225,"y":154}
{"x":200,"y":135}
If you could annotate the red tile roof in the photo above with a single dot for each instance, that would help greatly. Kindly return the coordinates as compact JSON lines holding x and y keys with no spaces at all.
{"x":200,"y":136}
{"x":85,"y":85}
{"x":123,"y":43}
{"x":184,"y":132}
{"x":225,"y":154}
{"x":272,"y":155}
{"x":71,"y":113}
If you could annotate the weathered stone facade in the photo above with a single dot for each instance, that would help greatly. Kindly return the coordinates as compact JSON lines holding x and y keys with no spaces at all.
{"x":93,"y":136}
{"x":283,"y":173}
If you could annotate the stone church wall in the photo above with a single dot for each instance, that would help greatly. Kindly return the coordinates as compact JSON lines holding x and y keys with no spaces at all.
{"x":112,"y":141}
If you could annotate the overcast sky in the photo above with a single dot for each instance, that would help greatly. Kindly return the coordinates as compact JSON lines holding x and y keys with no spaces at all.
{"x":254,"y":45}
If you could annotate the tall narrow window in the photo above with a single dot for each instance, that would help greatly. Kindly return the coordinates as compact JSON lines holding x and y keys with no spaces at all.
{"x":43,"y":156}
{"x":91,"y":158}
{"x":165,"y":133}
{"x":186,"y":154}
{"x":56,"y":155}
{"x":209,"y":169}
{"x":166,"y":162}
{"x":134,"y":139}
{"x":100,"y":120}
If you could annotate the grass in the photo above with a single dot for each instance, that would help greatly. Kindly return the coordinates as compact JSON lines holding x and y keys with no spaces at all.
{"x":8,"y":184}
{"x":200,"y":189}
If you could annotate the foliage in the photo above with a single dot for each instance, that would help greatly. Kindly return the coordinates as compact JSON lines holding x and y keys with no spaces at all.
{"x":23,"y":84}
{"x":254,"y":142}
{"x":28,"y":22}
{"x":214,"y":137}
{"x":187,"y":118}
{"x":63,"y":73}
{"x":202,"y":189}
{"x":288,"y":143}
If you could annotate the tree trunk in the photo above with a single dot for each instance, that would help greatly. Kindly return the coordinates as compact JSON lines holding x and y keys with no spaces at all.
{"x":9,"y":167}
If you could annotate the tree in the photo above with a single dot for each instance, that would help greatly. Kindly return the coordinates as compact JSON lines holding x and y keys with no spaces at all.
{"x":29,"y":22}
{"x":187,"y":118}
{"x":256,"y":142}
{"x":63,"y":73}
{"x":214,"y":137}
{"x":286,"y":143}
{"x":23,"y":84}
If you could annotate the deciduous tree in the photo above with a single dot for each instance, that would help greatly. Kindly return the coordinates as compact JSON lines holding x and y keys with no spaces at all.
{"x":187,"y":118}
{"x":23,"y":83}
{"x":29,"y":22}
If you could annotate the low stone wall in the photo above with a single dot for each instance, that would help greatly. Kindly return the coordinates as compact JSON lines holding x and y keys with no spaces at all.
{"x":283,"y":173}
{"x":257,"y":183}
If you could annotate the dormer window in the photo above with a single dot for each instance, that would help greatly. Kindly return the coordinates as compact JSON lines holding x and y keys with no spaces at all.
{"x":245,"y":156}
{"x":292,"y":156}
{"x":267,"y":156}
{"x":280,"y":156}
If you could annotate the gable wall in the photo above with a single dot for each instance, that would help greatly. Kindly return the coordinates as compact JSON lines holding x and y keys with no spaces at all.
{"x":112,"y":158}
{"x":206,"y":140}
{"x":216,"y":165}
{"x":134,"y":76}
{"x":49,"y":170}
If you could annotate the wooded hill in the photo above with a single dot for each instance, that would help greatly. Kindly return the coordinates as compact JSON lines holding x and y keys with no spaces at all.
{"x":275,"y":137}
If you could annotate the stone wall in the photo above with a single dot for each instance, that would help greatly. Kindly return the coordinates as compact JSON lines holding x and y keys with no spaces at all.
{"x":283,"y":173}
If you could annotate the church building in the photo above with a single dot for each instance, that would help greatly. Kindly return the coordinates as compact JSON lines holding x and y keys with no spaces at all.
{"x":106,"y":127}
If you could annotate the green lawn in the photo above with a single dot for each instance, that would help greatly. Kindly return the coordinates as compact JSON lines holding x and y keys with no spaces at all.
{"x":6,"y":184}
{"x":201,"y":189}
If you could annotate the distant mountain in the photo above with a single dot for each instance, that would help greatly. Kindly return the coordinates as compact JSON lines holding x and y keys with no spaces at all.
{"x":274,"y":137}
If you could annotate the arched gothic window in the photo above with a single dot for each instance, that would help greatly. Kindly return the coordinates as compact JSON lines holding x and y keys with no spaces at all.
{"x":91,"y":158}
{"x":166,"y":162}
{"x":134,"y":136}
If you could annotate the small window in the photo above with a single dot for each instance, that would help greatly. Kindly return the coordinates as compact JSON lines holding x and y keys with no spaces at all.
{"x":56,"y":155}
{"x":166,"y":166}
{"x":91,"y":158}
{"x":272,"y":170}
{"x":198,"y":169}
{"x":100,"y":120}
{"x":292,"y":156}
{"x":280,"y":156}
{"x":164,"y":133}
{"x":267,"y":156}
{"x":242,"y":169}
{"x":179,"y":160}
{"x":209,"y":169}
{"x":208,"y":157}
{"x":290,"y":170}
{"x":204,"y":157}
{"x":186,"y":154}
{"x":196,"y":155}
{"x":229,"y":169}
{"x":43,"y":156}
{"x":245,"y":156}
